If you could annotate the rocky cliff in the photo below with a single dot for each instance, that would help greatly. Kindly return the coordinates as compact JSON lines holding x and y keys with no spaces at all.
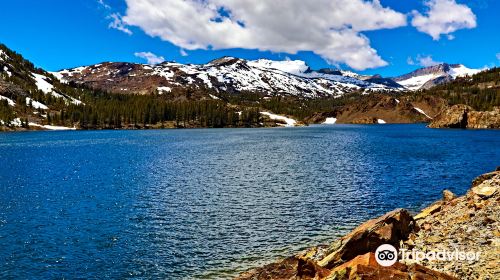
{"x":463,"y":116}
{"x":469,"y":223}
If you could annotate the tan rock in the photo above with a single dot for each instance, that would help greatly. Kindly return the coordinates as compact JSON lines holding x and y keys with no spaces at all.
{"x":448,"y":195}
{"x":480,"y":179}
{"x":485,"y":191}
{"x":429,"y":210}
{"x":391,"y":228}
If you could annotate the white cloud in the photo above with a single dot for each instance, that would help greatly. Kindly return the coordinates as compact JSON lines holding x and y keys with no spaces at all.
{"x":498,"y":56}
{"x":183,"y":52}
{"x":117,"y":23}
{"x":427,"y":61}
{"x":103,"y":4}
{"x":422,"y":60}
{"x":443,"y":18}
{"x":150,"y":57}
{"x":329,"y":28}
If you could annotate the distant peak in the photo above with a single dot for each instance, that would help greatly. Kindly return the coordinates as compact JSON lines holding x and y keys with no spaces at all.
{"x":330,"y":71}
{"x":225,"y":60}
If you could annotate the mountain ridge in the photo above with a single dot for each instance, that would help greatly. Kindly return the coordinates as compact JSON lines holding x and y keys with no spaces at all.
{"x":227,"y":92}
{"x":272,"y":77}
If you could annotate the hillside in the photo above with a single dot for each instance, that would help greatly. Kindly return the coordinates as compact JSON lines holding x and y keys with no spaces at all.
{"x":480,"y":91}
{"x":30,"y":96}
{"x":227,"y":92}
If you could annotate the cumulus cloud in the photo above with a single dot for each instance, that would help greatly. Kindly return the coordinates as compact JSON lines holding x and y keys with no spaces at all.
{"x":330,"y":28}
{"x":150,"y":57}
{"x":117,"y":23}
{"x":498,"y":56}
{"x":443,"y":18}
{"x":422,"y":60}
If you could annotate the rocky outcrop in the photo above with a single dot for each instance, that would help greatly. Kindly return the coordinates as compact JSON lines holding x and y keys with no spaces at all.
{"x":463,"y":116}
{"x":388,"y":229}
{"x":469,"y":223}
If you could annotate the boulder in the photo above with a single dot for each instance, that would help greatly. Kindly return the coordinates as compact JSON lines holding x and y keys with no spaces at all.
{"x":486,"y":185}
{"x":391,"y":228}
{"x":480,"y":179}
{"x":448,"y":196}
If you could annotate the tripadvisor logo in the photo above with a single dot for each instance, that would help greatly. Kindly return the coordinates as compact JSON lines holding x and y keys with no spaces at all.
{"x":387,"y":255}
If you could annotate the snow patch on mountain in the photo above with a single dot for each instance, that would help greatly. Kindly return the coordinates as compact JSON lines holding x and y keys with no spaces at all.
{"x":35,"y":104}
{"x":422,"y":112}
{"x":42,"y":84}
{"x":6,"y":70}
{"x":48,"y":88}
{"x":462,"y":71}
{"x":52,"y":127}
{"x":2,"y":55}
{"x":289,"y":122}
{"x":415,"y":83}
{"x":330,"y":121}
{"x":295,"y":67}
{"x":162,"y":90}
{"x":9,"y":101}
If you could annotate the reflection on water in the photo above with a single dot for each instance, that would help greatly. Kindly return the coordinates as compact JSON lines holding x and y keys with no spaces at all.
{"x":206,"y":204}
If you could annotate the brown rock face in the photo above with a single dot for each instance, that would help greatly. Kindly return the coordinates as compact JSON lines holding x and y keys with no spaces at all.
{"x":388,"y":229}
{"x":453,"y":117}
{"x":463,"y":116}
{"x":366,"y":267}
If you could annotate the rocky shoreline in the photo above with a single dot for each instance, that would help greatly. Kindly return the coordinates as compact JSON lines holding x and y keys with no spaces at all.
{"x":469,"y":223}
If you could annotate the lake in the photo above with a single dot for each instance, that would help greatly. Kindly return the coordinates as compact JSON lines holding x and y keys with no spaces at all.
{"x":209,"y":203}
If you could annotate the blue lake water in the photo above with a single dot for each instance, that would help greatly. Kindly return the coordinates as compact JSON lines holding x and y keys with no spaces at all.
{"x":208,"y":203}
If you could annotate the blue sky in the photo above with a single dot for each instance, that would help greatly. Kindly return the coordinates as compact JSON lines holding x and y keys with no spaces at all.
{"x":61,"y":34}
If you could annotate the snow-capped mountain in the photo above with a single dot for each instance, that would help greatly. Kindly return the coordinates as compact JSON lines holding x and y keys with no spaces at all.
{"x":227,"y":74}
{"x":428,"y":77}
